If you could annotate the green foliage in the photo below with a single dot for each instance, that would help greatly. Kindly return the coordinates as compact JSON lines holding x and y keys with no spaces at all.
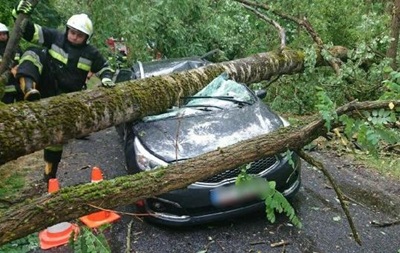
{"x":15,"y":182}
{"x":274,"y":200}
{"x":373,"y":130}
{"x":5,"y":13}
{"x":326,"y":108}
{"x":174,"y":28}
{"x":90,"y":241}
{"x":360,"y":27}
{"x":87,"y":241}
{"x":288,"y":155}
{"x":391,"y":85}
{"x":23,"y":245}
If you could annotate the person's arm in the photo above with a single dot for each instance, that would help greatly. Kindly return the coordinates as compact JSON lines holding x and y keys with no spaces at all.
{"x":103,"y":70}
{"x":25,"y":7}
{"x":33,"y":32}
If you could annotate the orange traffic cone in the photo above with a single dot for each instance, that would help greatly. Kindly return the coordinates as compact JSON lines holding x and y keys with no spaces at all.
{"x":99,"y":218}
{"x":53,"y":185}
{"x":97,"y":175}
{"x":60,"y":233}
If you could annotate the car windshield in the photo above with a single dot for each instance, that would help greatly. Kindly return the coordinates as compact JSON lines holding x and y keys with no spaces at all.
{"x":221,"y":93}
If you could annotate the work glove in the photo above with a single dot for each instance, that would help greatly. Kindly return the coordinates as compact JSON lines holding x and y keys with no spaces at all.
{"x":24,"y":7}
{"x":107,"y":82}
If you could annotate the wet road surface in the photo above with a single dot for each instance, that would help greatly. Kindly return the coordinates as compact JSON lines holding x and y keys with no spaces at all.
{"x":325,"y":227}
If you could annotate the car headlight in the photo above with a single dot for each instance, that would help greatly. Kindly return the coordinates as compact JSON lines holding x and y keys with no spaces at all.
{"x":144,"y":159}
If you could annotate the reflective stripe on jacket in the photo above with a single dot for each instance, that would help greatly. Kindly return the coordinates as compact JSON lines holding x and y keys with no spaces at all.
{"x":69,"y":63}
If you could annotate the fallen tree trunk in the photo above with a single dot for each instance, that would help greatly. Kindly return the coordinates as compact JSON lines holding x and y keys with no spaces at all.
{"x":28,"y":127}
{"x":37,"y":214}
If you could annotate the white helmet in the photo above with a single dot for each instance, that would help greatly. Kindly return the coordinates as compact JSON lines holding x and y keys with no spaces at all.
{"x":81,"y":22}
{"x":3,"y":28}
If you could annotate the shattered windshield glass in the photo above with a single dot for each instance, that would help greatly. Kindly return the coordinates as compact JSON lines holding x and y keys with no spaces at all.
{"x":219,"y":94}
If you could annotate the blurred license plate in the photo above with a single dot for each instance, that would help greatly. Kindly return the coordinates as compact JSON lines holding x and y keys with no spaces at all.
{"x":224,"y":196}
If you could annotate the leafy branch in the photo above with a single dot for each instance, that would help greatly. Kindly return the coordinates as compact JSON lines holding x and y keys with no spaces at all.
{"x":273,"y":199}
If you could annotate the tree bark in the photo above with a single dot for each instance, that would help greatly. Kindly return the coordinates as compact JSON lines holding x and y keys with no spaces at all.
{"x":30,"y":126}
{"x":394,"y":33}
{"x":34,"y":215}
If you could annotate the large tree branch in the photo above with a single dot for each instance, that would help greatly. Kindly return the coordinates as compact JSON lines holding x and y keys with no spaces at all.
{"x":30,"y":126}
{"x":47,"y":210}
{"x":334,"y":62}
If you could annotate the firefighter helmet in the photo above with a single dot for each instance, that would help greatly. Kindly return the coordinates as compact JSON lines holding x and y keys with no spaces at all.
{"x":81,"y":22}
{"x":3,"y":28}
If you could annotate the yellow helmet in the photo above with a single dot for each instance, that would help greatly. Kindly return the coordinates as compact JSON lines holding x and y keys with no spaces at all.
{"x":81,"y":22}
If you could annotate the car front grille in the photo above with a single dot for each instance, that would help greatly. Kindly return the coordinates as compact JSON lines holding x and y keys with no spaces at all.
{"x":256,"y":167}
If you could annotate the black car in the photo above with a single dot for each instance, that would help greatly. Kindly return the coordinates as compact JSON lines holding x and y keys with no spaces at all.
{"x":221,"y":114}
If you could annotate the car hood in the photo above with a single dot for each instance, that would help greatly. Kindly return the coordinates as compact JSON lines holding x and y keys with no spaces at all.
{"x":192,"y":134}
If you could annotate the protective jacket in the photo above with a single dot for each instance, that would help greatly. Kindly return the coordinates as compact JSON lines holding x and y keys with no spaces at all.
{"x":10,"y":95}
{"x":67,"y":64}
{"x":17,"y":55}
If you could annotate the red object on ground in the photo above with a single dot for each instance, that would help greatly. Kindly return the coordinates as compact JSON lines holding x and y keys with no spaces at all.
{"x":57,"y":235}
{"x":99,"y":218}
{"x":53,"y":185}
{"x":60,"y":233}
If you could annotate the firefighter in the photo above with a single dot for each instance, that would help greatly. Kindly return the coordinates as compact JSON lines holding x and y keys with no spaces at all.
{"x":61,"y":65}
{"x":10,"y":94}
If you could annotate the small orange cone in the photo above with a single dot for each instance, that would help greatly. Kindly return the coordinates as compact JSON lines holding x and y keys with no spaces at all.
{"x":97,"y":175}
{"x":99,"y":218}
{"x":53,"y":185}
{"x":57,"y":234}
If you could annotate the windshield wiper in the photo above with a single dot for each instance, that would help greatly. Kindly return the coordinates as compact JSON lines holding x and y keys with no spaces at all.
{"x":232,"y":99}
{"x":203,"y":106}
{"x":226,"y":98}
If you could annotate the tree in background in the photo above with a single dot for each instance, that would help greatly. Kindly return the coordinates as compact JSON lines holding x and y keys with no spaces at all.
{"x":180,"y":28}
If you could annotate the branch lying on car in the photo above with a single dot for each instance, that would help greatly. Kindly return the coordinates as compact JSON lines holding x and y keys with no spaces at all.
{"x":128,"y":189}
{"x":82,"y":113}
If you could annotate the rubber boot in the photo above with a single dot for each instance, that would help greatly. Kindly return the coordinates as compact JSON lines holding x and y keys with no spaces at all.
{"x":52,"y":157}
{"x":28,"y":87}
{"x":50,"y":171}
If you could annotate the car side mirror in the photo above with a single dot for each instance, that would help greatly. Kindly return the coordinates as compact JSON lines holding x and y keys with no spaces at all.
{"x":261,"y":93}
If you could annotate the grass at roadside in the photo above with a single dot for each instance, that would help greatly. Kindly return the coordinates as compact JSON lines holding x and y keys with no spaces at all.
{"x":18,"y":178}
{"x":387,"y":164}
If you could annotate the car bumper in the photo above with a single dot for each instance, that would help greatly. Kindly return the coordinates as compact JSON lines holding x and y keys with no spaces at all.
{"x":193,"y":205}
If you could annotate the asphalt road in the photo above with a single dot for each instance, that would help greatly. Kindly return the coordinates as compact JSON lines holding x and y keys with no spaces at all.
{"x":325,"y":227}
